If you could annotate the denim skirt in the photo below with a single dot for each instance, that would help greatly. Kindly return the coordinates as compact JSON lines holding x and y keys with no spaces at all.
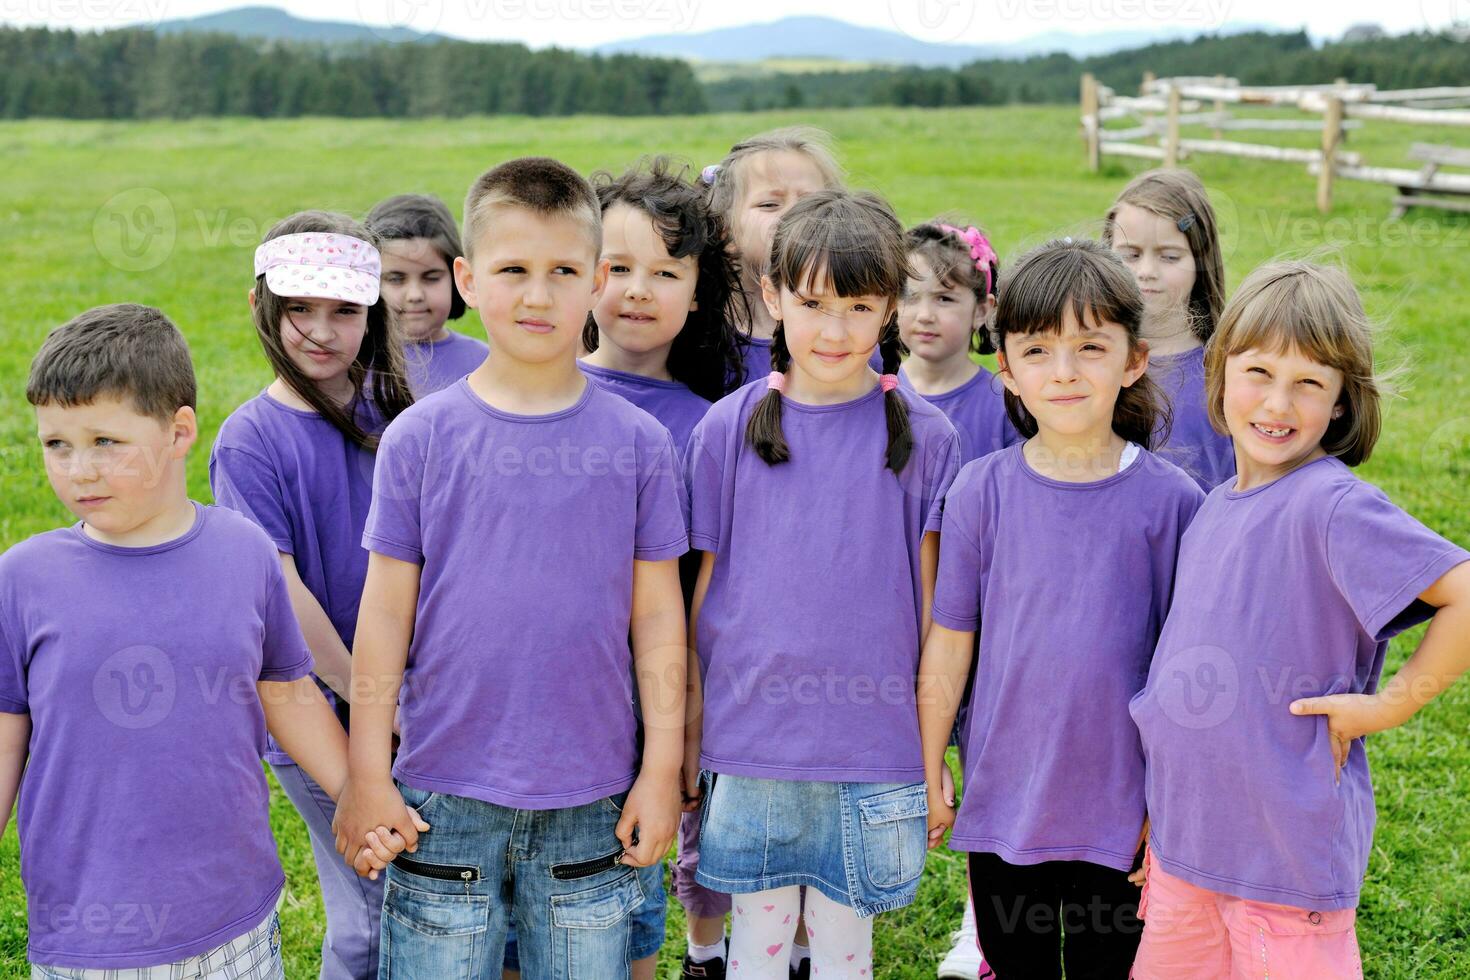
{"x":860,"y":844}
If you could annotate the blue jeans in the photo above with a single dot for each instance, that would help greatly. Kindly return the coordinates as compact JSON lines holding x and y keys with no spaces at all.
{"x":648,"y":920}
{"x":554,"y":872}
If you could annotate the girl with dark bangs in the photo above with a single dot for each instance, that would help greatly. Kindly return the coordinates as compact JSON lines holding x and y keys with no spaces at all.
{"x":815,"y":496}
{"x":1060,"y":552}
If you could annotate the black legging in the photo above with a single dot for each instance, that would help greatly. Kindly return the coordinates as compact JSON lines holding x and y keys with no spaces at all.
{"x":1022,"y":912}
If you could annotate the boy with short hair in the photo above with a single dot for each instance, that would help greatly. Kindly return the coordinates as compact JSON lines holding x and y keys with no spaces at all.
{"x":138,"y":679}
{"x":524,"y":524}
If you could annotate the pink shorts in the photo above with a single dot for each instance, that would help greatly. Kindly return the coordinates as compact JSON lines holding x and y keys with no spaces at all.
{"x":1192,"y":932}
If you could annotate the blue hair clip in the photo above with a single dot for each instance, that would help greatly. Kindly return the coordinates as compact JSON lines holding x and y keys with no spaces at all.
{"x":1185,"y":223}
{"x":708,"y":174}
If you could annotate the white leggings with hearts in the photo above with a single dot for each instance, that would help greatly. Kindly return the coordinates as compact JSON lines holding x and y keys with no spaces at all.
{"x":762,"y":925}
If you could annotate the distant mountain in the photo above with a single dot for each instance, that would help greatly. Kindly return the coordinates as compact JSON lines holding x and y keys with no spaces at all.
{"x":829,"y":38}
{"x":278,"y":25}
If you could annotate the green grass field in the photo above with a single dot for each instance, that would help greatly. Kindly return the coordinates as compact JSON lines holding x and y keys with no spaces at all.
{"x":168,"y":214}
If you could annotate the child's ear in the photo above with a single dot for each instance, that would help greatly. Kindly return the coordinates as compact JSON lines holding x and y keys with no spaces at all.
{"x":250,"y":298}
{"x":1006,"y":378}
{"x":772,"y":297}
{"x":599,"y":277}
{"x":186,"y":431}
{"x":984,"y":310}
{"x":464,"y":281}
{"x":1137,"y":364}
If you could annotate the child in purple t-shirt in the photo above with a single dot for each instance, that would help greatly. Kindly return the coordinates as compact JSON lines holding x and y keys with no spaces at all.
{"x":814,"y":496}
{"x":419,"y":243}
{"x":137,"y":682}
{"x":1060,"y":551}
{"x":1163,"y":228}
{"x":525,"y":523}
{"x":1291,"y":581}
{"x":659,"y":337}
{"x":297,"y":459}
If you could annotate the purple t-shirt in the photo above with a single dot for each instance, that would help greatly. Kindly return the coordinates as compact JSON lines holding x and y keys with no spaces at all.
{"x":518,"y":689}
{"x":144,"y":814}
{"x":1284,"y":591}
{"x":309,"y":487}
{"x":809,"y":633}
{"x":1194,"y":445}
{"x":434,"y":366}
{"x":977,"y":410}
{"x":1068,"y":585}
{"x":671,"y":402}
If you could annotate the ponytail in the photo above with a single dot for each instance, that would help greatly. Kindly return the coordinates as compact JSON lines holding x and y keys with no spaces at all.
{"x":900,"y":432}
{"x":763,"y":432}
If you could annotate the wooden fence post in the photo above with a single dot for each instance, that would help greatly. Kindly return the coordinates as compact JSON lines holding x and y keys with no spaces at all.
{"x":1219,"y":106}
{"x":1171,"y":143}
{"x":1331,"y":134}
{"x":1091,"y":124}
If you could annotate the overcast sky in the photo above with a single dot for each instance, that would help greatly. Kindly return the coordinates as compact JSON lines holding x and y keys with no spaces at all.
{"x":582,"y":23}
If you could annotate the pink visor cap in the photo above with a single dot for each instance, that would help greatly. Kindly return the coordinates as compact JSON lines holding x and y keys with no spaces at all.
{"x":321,"y":265}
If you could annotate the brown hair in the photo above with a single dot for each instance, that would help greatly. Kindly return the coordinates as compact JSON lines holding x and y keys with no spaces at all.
{"x":706,"y":351}
{"x":123,"y":350}
{"x":854,"y":242}
{"x":538,"y":184}
{"x":726,"y":179}
{"x":949,"y":256}
{"x":380,"y":358}
{"x":1178,"y":196}
{"x":409,"y":216}
{"x":1086,"y":279}
{"x":1313,"y":309}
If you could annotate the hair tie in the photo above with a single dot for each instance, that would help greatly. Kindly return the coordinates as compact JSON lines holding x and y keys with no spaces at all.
{"x":776,"y":381}
{"x":980,"y":251}
{"x":708,"y":174}
{"x":888,"y":382}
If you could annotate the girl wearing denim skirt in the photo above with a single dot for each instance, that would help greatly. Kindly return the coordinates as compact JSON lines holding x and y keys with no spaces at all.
{"x":816,"y":496}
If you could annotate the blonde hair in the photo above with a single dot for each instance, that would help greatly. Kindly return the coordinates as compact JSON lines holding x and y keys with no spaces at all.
{"x":1315,"y":310}
{"x":727,"y":178}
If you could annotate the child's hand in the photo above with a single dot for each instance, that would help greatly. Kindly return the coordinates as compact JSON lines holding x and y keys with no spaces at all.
{"x":365,"y":806}
{"x":941,"y":807}
{"x":653,"y":808}
{"x":689,"y":787}
{"x":1349,"y":717}
{"x":1140,"y":875}
{"x":382,"y":847}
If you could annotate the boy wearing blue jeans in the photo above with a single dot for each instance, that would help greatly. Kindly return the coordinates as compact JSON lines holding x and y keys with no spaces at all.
{"x":525,"y":524}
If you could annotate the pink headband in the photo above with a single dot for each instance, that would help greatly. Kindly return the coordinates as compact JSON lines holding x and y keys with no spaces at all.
{"x":321,"y":265}
{"x":980,"y":250}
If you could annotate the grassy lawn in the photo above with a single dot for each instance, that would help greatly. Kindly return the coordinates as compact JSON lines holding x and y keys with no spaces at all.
{"x":169,"y":213}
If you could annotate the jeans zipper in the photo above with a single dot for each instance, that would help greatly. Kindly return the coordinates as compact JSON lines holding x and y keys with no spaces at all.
{"x":586,"y":869}
{"x":443,"y":872}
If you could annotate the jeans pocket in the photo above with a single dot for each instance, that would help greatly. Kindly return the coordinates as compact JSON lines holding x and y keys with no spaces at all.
{"x":893,"y":827}
{"x":614,"y":804}
{"x":431,"y":936}
{"x":592,"y":929}
{"x":420,"y":799}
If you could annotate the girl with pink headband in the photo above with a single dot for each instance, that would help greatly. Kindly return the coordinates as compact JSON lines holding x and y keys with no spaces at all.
{"x":297,"y":459}
{"x":815,"y":496}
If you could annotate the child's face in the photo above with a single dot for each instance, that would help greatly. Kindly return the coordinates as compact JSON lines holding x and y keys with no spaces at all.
{"x":771,"y":183}
{"x":830,"y":337}
{"x":1158,"y":253}
{"x":1070,"y":381}
{"x":1278,"y":405}
{"x":110,"y":465}
{"x":936,"y":320}
{"x":533,"y":280}
{"x":322,"y":337}
{"x":649,"y":294}
{"x":418,"y":287}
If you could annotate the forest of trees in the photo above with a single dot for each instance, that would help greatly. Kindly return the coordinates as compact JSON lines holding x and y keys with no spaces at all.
{"x":138,"y":74}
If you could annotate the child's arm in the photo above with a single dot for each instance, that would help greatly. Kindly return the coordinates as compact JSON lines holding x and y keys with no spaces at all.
{"x":659,"y":658}
{"x":928,"y":574}
{"x":331,"y":660}
{"x":380,"y":652}
{"x":943,"y":670}
{"x":1440,"y":659}
{"x":15,"y":745}
{"x":694,"y":703}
